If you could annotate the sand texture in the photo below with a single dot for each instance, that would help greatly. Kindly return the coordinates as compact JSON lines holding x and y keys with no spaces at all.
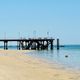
{"x":15,"y":65}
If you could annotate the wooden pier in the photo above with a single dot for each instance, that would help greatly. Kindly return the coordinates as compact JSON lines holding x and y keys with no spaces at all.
{"x":30,"y":44}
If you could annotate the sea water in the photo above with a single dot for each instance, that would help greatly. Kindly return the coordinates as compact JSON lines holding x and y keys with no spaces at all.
{"x":72,"y":52}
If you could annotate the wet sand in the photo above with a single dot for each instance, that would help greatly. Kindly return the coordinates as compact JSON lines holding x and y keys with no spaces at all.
{"x":15,"y":65}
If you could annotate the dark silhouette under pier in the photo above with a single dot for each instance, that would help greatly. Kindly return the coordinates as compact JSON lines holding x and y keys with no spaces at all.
{"x":30,"y":44}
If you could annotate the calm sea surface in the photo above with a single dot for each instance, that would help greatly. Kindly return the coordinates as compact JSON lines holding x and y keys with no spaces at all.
{"x":58,"y":56}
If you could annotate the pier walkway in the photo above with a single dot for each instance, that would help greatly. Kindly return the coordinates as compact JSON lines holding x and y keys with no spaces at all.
{"x":29,"y":44}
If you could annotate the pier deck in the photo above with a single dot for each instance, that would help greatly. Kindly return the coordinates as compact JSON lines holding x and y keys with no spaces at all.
{"x":27,"y":44}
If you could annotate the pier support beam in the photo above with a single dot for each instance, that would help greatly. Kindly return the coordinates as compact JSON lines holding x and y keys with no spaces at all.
{"x":22,"y":43}
{"x":26,"y":45}
{"x":42,"y":45}
{"x":57,"y":44}
{"x":47,"y":45}
{"x":38,"y":45}
{"x":18,"y":45}
{"x":51,"y":45}
{"x":5,"y":45}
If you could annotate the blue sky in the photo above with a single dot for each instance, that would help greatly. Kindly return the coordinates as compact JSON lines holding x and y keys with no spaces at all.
{"x":61,"y":18}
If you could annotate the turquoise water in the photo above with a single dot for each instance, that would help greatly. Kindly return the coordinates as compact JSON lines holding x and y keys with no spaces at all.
{"x":9,"y":47}
{"x":58,"y":56}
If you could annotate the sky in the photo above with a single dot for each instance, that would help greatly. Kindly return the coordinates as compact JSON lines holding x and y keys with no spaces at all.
{"x":35,"y":18}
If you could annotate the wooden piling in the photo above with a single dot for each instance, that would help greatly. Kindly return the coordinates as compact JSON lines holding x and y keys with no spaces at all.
{"x":19,"y":45}
{"x":57,"y":44}
{"x":38,"y":45}
{"x":51,"y":45}
{"x":5,"y":45}
{"x":47,"y":45}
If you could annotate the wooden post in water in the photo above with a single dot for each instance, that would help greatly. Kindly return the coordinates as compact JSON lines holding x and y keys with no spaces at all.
{"x":57,"y":44}
{"x":51,"y":45}
{"x":19,"y":45}
{"x":25,"y":44}
{"x":5,"y":45}
{"x":38,"y":45}
{"x":47,"y":45}
{"x":43,"y":45}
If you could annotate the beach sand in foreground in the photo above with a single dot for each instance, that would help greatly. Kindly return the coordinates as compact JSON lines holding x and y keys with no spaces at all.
{"x":15,"y":65}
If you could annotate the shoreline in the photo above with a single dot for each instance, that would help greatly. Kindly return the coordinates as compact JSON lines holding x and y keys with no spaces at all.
{"x":54,"y":65}
{"x":15,"y":65}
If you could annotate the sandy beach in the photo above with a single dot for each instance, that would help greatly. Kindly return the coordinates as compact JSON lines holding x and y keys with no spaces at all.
{"x":15,"y":65}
